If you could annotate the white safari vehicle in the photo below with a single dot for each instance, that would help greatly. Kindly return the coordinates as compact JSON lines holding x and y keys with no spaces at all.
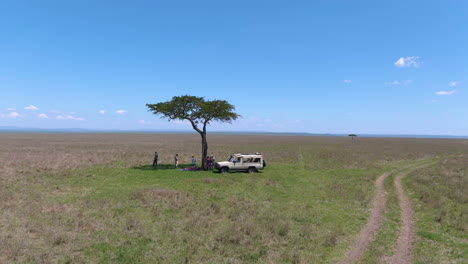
{"x":250,"y":163}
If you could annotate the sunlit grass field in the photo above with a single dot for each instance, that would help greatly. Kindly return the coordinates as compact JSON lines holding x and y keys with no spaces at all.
{"x":440,"y":198}
{"x":94,"y":198}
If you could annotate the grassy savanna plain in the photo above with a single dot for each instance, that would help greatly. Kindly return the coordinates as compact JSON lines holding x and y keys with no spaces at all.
{"x":94,"y":198}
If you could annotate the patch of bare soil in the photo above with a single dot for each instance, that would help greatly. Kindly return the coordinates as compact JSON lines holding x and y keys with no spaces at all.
{"x":370,"y":231}
{"x":407,"y":234}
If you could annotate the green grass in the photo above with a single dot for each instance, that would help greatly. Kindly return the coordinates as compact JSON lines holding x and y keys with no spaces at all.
{"x":88,"y":198}
{"x":284,"y":214}
{"x":440,"y":202}
{"x":382,"y":247}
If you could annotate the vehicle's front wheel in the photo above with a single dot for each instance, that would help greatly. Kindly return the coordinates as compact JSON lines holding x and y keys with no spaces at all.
{"x":224,"y":170}
{"x":252,"y":170}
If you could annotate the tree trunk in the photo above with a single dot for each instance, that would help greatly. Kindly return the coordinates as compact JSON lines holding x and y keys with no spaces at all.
{"x":204,"y":150}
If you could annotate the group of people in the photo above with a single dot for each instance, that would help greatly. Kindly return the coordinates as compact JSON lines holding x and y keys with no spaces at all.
{"x":176,"y":160}
{"x":210,"y":161}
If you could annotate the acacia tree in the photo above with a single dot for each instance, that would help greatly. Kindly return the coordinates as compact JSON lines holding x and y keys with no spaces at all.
{"x":352,"y":136}
{"x":198,"y":111}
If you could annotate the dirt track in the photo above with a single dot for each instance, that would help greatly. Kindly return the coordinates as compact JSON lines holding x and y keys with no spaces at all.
{"x":370,"y":231}
{"x":407,"y":229}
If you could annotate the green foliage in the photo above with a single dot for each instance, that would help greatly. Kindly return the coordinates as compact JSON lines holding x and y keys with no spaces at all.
{"x":195,"y":109}
{"x":198,"y":111}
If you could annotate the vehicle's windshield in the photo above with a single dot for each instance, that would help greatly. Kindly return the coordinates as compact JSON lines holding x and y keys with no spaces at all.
{"x":231,"y":159}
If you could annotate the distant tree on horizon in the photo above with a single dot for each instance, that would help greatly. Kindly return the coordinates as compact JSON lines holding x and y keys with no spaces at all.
{"x":352,"y":136}
{"x":198,"y":111}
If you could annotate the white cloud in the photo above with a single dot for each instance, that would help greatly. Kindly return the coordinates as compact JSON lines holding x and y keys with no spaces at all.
{"x":10,"y":109}
{"x":393,"y":83}
{"x":455,"y":83}
{"x":43,"y":116}
{"x":396,"y":82}
{"x":69,"y":117}
{"x":10,"y":115}
{"x":347,"y":81}
{"x":31,"y":108}
{"x":446,"y":92}
{"x":121,"y":112}
{"x":407,"y":62}
{"x":102,"y":111}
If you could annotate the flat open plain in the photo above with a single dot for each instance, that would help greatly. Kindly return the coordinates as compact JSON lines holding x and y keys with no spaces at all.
{"x":94,"y":198}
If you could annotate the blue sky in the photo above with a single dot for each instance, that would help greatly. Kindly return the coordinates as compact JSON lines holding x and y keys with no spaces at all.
{"x":386,"y":67}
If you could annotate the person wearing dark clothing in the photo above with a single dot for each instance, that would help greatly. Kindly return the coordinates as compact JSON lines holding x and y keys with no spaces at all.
{"x":155,"y":161}
{"x":176,"y":160}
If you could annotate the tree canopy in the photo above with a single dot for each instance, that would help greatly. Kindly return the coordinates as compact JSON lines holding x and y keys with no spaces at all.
{"x":198,"y":111}
{"x":195,"y":109}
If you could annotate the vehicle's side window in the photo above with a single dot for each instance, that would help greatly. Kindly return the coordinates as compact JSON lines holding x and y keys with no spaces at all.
{"x":257,"y":160}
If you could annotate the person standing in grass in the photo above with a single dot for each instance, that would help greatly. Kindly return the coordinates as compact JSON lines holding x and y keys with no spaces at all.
{"x":176,"y":160}
{"x":208,"y":162}
{"x":194,"y":162}
{"x":155,"y":161}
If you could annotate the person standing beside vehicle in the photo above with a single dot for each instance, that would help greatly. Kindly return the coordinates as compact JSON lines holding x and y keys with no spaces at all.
{"x":208,"y":162}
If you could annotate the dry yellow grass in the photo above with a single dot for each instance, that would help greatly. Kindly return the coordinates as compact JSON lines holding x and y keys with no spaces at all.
{"x":23,"y":154}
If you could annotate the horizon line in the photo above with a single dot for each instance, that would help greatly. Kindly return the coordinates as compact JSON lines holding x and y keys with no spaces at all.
{"x":90,"y":130}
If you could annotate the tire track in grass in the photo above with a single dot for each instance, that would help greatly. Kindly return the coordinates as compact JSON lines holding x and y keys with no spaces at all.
{"x":407,"y":232}
{"x":370,"y":231}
